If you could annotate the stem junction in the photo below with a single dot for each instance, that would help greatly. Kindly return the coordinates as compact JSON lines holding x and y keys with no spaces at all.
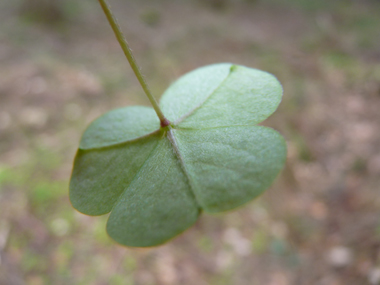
{"x":128,"y":53}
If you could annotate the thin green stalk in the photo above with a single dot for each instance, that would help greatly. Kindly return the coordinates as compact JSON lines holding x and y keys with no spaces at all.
{"x":128,"y":53}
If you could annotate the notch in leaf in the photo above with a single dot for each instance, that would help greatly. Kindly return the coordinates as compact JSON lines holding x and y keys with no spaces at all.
{"x":156,"y":173}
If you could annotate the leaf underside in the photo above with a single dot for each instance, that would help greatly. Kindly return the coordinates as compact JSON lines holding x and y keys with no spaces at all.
{"x":156,"y":181}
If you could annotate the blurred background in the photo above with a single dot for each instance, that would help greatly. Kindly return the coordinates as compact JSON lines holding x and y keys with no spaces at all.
{"x":61,"y":67}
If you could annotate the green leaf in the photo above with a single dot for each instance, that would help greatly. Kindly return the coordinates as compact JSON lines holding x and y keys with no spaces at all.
{"x":213,"y":157}
{"x":120,"y":125}
{"x":221,"y":95}
{"x":229,"y":166}
{"x":159,"y":203}
{"x":101,"y":175}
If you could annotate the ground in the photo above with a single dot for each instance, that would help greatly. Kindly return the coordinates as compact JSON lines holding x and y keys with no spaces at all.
{"x":319,"y":222}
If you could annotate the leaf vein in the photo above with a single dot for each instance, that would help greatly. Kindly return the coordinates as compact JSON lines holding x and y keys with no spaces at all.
{"x":174,"y":143}
{"x":204,"y":101}
{"x":121,"y":143}
{"x":136,"y":175}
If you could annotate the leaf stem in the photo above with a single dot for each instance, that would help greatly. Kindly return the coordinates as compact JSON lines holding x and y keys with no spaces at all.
{"x":128,"y":53}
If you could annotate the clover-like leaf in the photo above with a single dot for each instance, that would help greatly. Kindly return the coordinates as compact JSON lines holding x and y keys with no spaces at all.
{"x":156,"y":180}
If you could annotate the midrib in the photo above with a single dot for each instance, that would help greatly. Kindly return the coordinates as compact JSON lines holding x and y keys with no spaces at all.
{"x":173,"y":141}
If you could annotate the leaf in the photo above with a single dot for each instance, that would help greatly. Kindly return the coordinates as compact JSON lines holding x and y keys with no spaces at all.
{"x":213,"y":157}
{"x":221,"y":95}
{"x":119,"y":126}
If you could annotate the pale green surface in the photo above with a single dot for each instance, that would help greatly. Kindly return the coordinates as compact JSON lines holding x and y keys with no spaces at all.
{"x":230,"y":166}
{"x":246,"y":97}
{"x":101,"y":175}
{"x":155,"y":181}
{"x":120,"y":125}
{"x":210,"y":97}
{"x":191,"y":90}
{"x":158,"y":205}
